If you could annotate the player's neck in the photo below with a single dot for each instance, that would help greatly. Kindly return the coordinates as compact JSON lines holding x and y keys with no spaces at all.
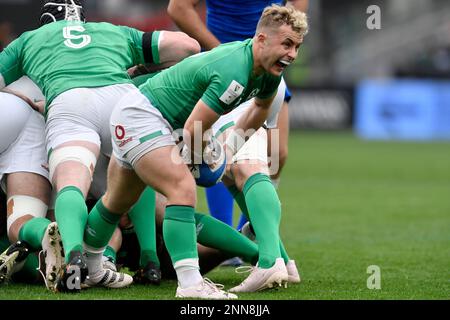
{"x":257,"y":69}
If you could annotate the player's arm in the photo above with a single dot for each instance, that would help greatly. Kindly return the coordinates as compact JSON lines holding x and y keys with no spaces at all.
{"x":301,"y":5}
{"x":253,"y":118}
{"x":186,"y":17}
{"x":160,"y":50}
{"x":201,"y":119}
{"x":38,"y":106}
{"x":174,"y":46}
{"x":10,"y":67}
{"x":256,"y":114}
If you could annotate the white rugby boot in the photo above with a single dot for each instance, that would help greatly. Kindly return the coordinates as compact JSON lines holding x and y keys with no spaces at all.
{"x":261,"y":279}
{"x":12,"y":260}
{"x":52,"y":252}
{"x":293,"y":275}
{"x":205,"y":290}
{"x":108,"y":263}
{"x":109,"y":279}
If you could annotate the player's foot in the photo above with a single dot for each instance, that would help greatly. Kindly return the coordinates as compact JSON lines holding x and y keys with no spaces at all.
{"x":247,"y":230}
{"x":232,"y":262}
{"x":293,"y":275}
{"x":74,"y":273}
{"x":12,"y":260}
{"x":108,"y":263}
{"x":150,"y":274}
{"x":205,"y":290}
{"x":260,"y":279}
{"x":109,"y":279}
{"x":52,"y":254}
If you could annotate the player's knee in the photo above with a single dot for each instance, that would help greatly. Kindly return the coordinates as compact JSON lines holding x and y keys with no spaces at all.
{"x":78,"y":154}
{"x":183,"y":192}
{"x":20,"y":209}
{"x":117,"y":204}
{"x":242,"y":171}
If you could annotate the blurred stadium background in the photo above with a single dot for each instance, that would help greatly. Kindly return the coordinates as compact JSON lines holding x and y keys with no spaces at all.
{"x":387,"y":83}
{"x":368,"y":176}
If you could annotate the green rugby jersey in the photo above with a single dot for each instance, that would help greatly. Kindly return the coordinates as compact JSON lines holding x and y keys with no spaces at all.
{"x":222,"y":78}
{"x":64,"y":55}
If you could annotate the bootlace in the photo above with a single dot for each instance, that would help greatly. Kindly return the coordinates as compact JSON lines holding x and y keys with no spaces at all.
{"x":212,"y":285}
{"x":244,"y":269}
{"x":40,"y":267}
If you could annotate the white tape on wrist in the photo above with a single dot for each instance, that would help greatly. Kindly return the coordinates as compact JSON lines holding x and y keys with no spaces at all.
{"x":234,"y":142}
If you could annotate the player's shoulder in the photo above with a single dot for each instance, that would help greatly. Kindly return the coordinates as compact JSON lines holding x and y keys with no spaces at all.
{"x":100,"y":25}
{"x":229,"y":59}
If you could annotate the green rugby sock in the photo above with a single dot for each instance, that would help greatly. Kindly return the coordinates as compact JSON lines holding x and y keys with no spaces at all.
{"x":265,"y":214}
{"x":142,"y":215}
{"x":240,"y":200}
{"x":110,"y":253}
{"x":71,"y":215}
{"x":100,"y":226}
{"x":284,"y":253}
{"x":216,"y":234}
{"x":32,"y":232}
{"x":179,"y":233}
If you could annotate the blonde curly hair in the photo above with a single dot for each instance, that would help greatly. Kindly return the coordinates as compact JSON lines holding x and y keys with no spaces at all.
{"x":275,"y":16}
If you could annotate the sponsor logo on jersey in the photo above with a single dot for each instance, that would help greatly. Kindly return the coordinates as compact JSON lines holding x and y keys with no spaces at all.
{"x":124,"y":142}
{"x":233,"y":91}
{"x":120,"y":132}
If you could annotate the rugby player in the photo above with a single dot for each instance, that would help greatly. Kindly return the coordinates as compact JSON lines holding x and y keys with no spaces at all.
{"x":190,"y":95}
{"x":81,"y":69}
{"x":226,"y":21}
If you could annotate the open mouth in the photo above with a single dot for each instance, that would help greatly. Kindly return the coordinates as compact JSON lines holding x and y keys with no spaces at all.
{"x":282,"y":63}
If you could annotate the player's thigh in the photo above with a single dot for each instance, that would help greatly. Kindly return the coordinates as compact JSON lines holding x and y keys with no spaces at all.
{"x":142,"y":139}
{"x":28,"y":184}
{"x":278,"y":139}
{"x":164,"y":170}
{"x":250,"y":159}
{"x":123,"y":187}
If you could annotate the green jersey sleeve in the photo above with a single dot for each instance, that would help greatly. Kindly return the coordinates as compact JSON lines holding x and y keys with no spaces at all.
{"x":223,"y":90}
{"x":139,"y":80}
{"x":144,"y":45}
{"x":270,"y":87}
{"x":10,"y":65}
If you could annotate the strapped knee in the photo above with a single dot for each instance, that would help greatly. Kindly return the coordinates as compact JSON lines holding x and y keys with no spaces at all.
{"x":20,"y":206}
{"x":73,"y":153}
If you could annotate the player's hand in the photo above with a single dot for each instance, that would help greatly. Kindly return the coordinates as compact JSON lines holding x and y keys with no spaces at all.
{"x":38,"y":105}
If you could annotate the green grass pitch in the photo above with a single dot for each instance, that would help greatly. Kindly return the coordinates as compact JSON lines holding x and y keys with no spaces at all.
{"x":347,"y":204}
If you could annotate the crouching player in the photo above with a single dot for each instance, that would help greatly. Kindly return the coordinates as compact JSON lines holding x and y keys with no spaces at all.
{"x":24,"y":179}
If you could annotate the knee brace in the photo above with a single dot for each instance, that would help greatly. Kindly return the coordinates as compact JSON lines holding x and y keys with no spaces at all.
{"x":73,"y":153}
{"x":20,"y":206}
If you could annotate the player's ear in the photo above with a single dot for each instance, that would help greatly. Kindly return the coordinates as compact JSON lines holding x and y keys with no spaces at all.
{"x":261,"y":37}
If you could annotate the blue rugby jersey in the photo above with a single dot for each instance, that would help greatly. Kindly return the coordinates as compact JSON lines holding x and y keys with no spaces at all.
{"x":231,"y":20}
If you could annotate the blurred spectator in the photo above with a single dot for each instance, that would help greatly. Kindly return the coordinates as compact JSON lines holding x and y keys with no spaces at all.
{"x":432,"y":63}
